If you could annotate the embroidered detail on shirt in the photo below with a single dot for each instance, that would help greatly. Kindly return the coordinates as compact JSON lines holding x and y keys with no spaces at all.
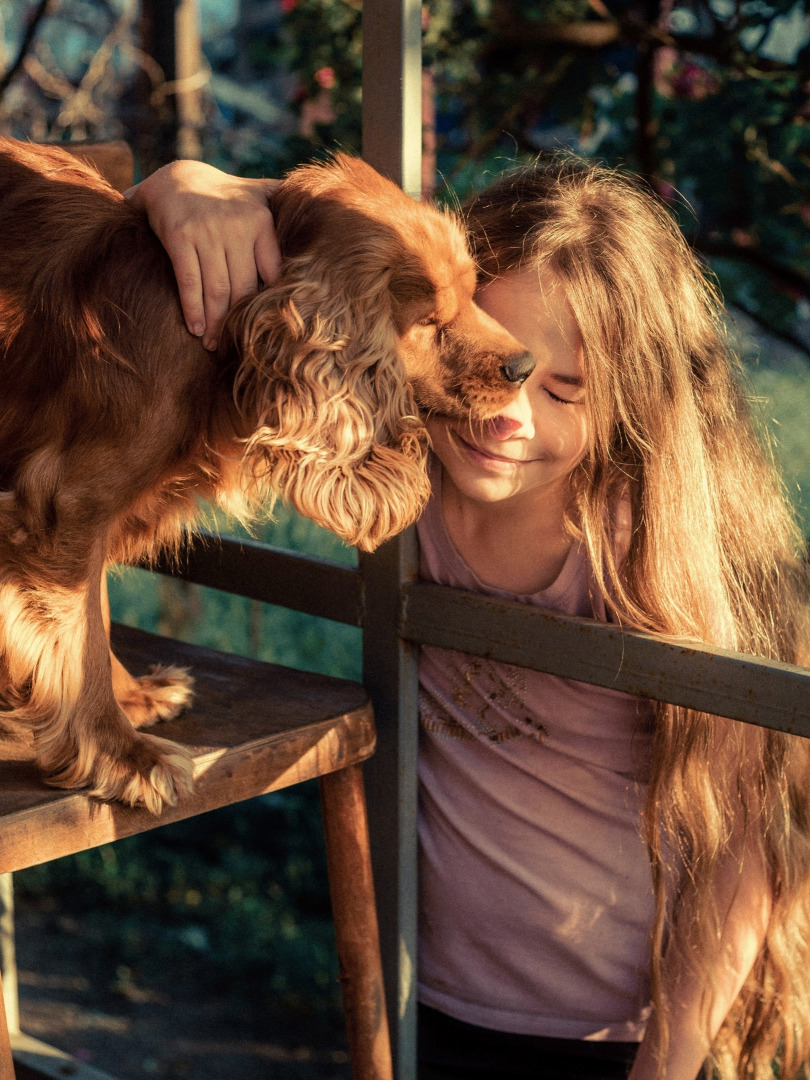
{"x":488,"y":702}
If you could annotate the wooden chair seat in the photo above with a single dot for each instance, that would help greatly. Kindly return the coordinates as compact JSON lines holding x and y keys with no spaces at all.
{"x":253,"y":728}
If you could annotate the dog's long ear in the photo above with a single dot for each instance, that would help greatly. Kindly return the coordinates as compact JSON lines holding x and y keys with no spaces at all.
{"x":335,"y":429}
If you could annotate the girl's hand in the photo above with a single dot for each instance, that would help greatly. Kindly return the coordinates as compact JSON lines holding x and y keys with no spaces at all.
{"x":218,"y":232}
{"x":744,"y":901}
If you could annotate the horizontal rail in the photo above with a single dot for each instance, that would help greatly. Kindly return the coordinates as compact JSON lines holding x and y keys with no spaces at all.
{"x":694,"y":675}
{"x":690,"y":674}
{"x":306,"y":583}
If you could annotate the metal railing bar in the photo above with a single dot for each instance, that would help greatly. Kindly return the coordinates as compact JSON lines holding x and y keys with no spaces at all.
{"x":697,"y":676}
{"x":306,"y":583}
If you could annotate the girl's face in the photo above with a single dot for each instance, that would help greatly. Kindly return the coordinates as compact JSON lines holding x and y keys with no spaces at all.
{"x":533,"y":445}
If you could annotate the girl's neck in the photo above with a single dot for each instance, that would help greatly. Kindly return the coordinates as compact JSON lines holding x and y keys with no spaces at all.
{"x":517,"y":545}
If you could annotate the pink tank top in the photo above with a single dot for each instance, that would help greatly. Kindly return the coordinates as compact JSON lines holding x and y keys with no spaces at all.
{"x":535,"y":888}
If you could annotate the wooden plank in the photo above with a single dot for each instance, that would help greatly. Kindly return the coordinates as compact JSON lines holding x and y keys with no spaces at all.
{"x":273,"y":575}
{"x":697,"y":676}
{"x":254,"y":728}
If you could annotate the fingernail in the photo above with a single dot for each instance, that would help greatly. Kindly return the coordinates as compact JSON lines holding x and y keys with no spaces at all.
{"x":210,"y":345}
{"x":198,"y":329}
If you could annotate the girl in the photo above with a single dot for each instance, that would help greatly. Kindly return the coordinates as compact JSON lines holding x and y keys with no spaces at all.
{"x":607,"y":885}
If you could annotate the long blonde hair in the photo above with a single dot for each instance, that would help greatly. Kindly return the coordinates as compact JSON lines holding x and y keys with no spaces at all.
{"x":715,"y":555}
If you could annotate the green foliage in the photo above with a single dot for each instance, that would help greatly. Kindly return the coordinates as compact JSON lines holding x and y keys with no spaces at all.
{"x":727,"y":105}
{"x":782,"y":399}
{"x":241,"y":890}
{"x":230,"y":623}
{"x":321,"y":43}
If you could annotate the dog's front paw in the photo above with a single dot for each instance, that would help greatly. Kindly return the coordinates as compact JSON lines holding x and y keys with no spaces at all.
{"x":161,"y":695}
{"x":154,"y":773}
{"x":147,"y":771}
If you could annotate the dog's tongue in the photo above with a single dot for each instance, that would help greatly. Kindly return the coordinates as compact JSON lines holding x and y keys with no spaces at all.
{"x":501,"y":427}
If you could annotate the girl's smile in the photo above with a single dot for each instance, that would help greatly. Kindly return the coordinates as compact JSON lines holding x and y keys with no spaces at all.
{"x":487,"y":459}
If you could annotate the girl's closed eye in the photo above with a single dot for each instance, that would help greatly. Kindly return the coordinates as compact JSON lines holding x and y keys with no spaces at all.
{"x":561,"y":400}
{"x":568,"y":391}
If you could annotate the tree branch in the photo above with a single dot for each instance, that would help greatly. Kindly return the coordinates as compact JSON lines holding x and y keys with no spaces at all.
{"x":594,"y":34}
{"x":784,"y":275}
{"x":783,"y":335}
{"x":28,"y":38}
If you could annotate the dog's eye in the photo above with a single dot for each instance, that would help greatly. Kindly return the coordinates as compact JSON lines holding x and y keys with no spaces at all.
{"x":429,"y":320}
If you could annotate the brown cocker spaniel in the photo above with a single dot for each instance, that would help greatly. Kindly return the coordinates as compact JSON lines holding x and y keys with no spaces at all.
{"x":115,"y":421}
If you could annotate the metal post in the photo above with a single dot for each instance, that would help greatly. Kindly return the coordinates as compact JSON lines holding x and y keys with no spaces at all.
{"x":390,"y":674}
{"x":392,"y":143}
{"x":392,"y":90}
{"x":170,"y":35}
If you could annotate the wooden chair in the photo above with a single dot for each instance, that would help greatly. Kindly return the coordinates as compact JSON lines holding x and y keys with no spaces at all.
{"x":254,"y":728}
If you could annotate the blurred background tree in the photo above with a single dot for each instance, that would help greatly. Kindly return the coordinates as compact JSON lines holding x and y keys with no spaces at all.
{"x":708,"y":100}
{"x":705,"y":98}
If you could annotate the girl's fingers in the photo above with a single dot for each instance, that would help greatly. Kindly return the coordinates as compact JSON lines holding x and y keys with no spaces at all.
{"x":267,"y":255}
{"x":218,"y":231}
{"x":216,"y":289}
{"x":242,"y":274}
{"x":266,"y":250}
{"x":186,"y":266}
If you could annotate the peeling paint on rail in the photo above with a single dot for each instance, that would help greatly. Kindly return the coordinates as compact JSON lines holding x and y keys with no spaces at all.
{"x":702,"y":677}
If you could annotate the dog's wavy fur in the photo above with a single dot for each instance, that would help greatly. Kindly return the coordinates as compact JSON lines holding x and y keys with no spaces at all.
{"x":114,"y":421}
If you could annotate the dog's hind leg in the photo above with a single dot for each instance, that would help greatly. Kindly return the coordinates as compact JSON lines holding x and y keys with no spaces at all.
{"x":55,"y":647}
{"x":162,"y":694}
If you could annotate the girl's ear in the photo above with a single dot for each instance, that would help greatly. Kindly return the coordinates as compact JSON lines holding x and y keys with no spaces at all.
{"x":330,"y":419}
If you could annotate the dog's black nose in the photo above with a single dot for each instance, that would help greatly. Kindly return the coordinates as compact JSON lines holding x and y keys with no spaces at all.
{"x":519,"y":368}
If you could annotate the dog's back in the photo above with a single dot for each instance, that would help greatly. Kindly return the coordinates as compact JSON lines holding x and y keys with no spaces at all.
{"x":94,"y":356}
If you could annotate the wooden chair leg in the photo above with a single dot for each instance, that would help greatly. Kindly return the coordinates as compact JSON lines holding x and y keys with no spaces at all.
{"x":355,"y":916}
{"x":6,"y":1061}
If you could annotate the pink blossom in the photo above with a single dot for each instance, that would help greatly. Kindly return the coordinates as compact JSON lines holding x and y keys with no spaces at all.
{"x":288,"y":5}
{"x":325,"y":78}
{"x":693,"y":82}
{"x":742,"y":238}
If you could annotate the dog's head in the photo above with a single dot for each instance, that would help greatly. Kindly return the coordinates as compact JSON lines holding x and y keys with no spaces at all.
{"x":371,"y":325}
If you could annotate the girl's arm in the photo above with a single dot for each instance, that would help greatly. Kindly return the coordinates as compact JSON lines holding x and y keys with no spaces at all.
{"x":744,"y":893}
{"x":218,"y":231}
